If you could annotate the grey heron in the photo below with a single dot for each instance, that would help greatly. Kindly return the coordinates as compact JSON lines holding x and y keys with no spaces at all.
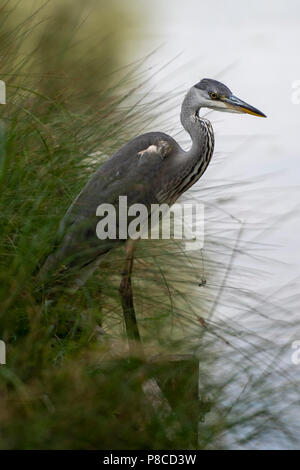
{"x":150,"y":169}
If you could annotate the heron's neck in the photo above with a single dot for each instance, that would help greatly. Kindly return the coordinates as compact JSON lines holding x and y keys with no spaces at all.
{"x":192,"y":123}
{"x":198,"y":157}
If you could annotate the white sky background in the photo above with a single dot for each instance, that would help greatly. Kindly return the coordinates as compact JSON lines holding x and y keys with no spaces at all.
{"x":253,"y":47}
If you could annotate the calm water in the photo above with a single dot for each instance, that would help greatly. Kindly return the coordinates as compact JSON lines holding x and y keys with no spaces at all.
{"x":255,"y":51}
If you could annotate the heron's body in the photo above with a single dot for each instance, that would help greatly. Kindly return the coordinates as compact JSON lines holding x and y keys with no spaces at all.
{"x":150,"y":169}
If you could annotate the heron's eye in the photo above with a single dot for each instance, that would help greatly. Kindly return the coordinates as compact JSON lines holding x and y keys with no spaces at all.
{"x":213,"y":95}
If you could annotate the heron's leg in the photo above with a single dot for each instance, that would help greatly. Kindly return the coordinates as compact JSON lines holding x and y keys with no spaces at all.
{"x":127,"y":299}
{"x":150,"y":387}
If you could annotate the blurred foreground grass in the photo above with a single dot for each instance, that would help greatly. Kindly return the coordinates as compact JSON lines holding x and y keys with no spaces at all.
{"x":68,"y":381}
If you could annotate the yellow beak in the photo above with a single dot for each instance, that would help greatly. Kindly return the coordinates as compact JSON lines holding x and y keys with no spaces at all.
{"x":239,"y":106}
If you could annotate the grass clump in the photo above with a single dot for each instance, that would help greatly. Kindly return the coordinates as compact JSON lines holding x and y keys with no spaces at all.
{"x":69,"y":381}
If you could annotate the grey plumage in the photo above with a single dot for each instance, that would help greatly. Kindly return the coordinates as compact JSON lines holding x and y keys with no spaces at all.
{"x":150,"y":169}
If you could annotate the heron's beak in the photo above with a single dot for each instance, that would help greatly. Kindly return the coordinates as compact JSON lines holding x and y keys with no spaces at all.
{"x":239,"y":106}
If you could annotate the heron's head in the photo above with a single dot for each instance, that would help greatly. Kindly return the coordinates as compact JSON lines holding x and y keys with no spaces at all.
{"x":214,"y":95}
